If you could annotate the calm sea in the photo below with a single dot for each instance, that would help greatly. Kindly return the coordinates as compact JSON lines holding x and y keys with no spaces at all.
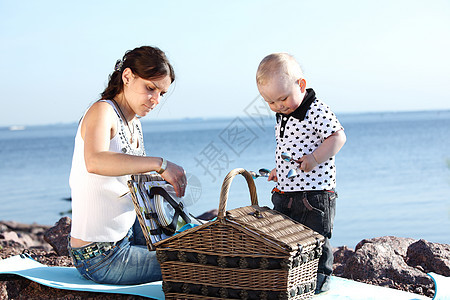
{"x":393,"y":172}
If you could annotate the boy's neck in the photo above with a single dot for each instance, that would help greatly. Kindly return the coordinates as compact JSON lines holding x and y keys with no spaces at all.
{"x":300,"y":111}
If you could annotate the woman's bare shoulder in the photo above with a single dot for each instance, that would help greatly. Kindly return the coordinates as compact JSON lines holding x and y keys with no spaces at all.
{"x":100,"y":109}
{"x":100,"y":115}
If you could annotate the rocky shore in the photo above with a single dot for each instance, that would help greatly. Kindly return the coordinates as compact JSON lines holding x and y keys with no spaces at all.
{"x":399,"y":263}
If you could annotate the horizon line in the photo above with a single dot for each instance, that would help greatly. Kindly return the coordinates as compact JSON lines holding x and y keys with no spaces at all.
{"x":187,"y":119}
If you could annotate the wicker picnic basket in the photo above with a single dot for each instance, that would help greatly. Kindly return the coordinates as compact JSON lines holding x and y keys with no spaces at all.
{"x":250,"y":252}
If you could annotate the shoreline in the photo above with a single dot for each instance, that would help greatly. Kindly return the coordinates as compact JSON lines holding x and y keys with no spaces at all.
{"x":394,"y":262}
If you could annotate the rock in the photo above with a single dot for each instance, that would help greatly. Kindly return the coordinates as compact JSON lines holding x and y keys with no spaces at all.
{"x":382,"y":259}
{"x":10,"y":236}
{"x":15,"y":235}
{"x":20,"y":227}
{"x":429,"y":257}
{"x":24,"y":239}
{"x":341,"y":255}
{"x":418,"y":290}
{"x":3,"y":227}
{"x":57,"y":236}
{"x":9,"y":247}
{"x":398,"y":245}
{"x":387,"y":282}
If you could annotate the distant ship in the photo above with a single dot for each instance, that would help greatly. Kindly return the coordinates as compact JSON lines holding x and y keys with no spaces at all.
{"x":16,"y":127}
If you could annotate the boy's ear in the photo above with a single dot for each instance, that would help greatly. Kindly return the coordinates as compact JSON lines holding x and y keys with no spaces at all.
{"x":302,"y":84}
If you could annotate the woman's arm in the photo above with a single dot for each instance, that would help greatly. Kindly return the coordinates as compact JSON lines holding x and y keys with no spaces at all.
{"x":98,"y":127}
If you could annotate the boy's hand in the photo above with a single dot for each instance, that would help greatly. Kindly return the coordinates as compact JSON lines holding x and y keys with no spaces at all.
{"x":307,"y":163}
{"x":273,"y":175}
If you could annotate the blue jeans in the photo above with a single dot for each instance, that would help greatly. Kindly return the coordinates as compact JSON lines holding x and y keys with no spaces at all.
{"x":316,"y":210}
{"x":128,"y":262}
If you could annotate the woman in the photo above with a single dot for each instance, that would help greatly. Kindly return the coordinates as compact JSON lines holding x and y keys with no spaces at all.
{"x":106,"y":242}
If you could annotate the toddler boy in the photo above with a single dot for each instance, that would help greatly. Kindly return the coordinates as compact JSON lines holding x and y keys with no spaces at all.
{"x":311,"y":134}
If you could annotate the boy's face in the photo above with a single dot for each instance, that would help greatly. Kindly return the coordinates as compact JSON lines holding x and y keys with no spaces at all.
{"x":283,"y":96}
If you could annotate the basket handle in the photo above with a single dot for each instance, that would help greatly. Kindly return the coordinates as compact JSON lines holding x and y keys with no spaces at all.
{"x":226,"y":188}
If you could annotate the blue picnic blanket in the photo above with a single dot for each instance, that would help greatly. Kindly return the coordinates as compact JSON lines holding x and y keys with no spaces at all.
{"x":68,"y":278}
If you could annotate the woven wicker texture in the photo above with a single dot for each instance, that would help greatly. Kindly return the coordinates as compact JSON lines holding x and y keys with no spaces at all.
{"x":275,"y":226}
{"x":223,"y":239}
{"x":250,"y":252}
{"x":226,"y":188}
{"x":181,"y":296}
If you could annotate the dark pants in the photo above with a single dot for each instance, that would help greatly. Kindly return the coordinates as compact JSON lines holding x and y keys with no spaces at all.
{"x":316,"y":210}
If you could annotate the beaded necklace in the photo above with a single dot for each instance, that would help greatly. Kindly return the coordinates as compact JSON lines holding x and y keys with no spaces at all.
{"x":126,"y":122}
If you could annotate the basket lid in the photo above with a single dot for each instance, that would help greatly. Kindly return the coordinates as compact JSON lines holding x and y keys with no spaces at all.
{"x":275,"y":226}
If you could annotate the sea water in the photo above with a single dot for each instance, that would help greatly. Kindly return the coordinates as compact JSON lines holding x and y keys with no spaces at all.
{"x":393,"y":174}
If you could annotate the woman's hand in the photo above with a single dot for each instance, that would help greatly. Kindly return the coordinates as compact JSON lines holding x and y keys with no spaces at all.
{"x":273,"y":175}
{"x":175,"y":175}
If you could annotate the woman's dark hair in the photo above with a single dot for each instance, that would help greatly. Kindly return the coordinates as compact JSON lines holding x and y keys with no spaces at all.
{"x":146,"y":62}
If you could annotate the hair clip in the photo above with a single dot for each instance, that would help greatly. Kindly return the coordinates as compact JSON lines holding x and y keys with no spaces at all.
{"x":118,"y":66}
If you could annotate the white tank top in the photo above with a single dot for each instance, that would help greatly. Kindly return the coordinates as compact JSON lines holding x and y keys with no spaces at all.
{"x":100,"y":211}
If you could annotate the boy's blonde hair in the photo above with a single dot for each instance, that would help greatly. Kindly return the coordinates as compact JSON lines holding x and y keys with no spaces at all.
{"x":278,"y":65}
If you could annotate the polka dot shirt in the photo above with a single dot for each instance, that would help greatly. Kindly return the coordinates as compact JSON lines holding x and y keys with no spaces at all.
{"x":299,"y":134}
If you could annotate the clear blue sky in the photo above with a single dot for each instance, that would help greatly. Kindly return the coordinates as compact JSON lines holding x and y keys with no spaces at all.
{"x":359,"y":56}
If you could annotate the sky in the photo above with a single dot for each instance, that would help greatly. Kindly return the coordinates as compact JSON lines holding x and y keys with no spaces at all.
{"x":359,"y":56}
